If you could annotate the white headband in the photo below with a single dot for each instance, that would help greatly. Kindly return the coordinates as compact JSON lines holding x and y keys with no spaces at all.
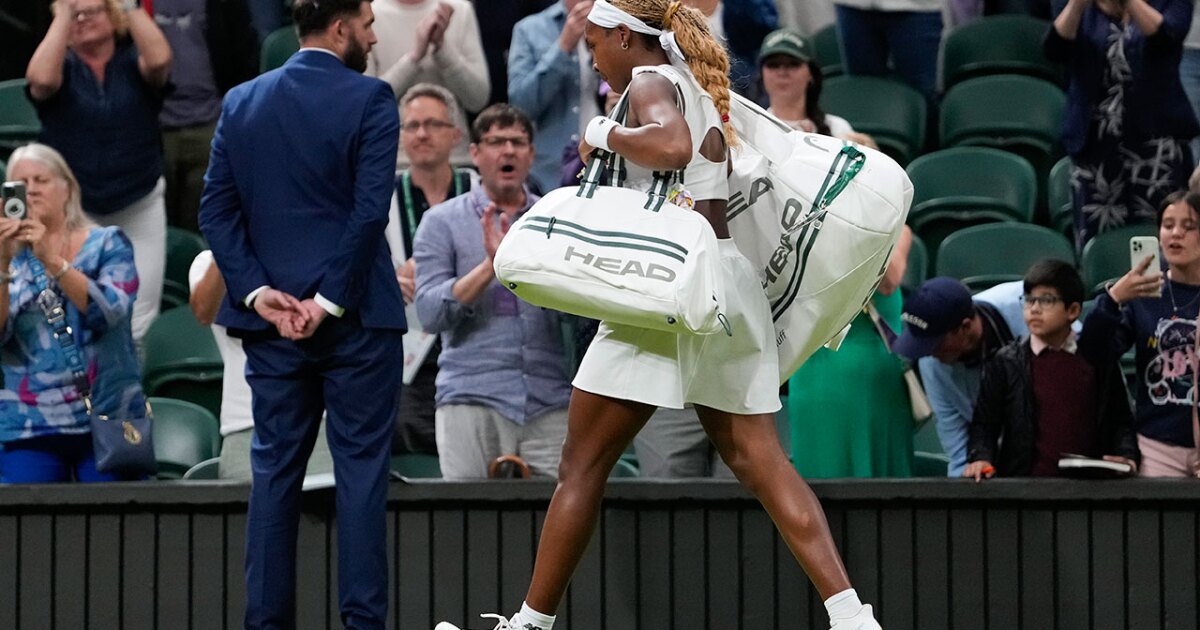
{"x":605,"y":15}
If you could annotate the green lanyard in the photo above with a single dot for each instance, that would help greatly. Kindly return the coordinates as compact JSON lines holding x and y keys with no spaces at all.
{"x":406,"y":183}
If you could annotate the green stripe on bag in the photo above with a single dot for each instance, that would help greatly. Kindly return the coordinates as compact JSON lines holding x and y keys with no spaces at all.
{"x":630,"y":235}
{"x":560,"y":231}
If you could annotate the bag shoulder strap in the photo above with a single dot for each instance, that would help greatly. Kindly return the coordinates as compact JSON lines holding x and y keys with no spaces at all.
{"x":659,"y":189}
{"x":56,"y":316}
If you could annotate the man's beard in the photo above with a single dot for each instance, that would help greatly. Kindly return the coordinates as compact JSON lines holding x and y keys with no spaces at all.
{"x":356,"y":57}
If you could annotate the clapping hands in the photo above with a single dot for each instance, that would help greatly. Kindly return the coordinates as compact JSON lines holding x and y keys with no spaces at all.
{"x":294,"y":319}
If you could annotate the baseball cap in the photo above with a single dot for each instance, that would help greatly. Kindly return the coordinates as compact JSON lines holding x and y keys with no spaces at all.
{"x":785,"y":41}
{"x":938,"y":306}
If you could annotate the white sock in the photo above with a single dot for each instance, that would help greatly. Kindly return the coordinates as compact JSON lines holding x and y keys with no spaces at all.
{"x":844,"y":605}
{"x":529,"y":615}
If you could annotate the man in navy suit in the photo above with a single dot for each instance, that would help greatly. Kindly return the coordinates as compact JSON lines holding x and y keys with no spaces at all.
{"x":295,"y":203}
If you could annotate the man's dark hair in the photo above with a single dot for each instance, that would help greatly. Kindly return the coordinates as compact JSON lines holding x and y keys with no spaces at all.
{"x":1057,"y":275}
{"x":314,"y":16}
{"x":1192,"y":199}
{"x":500,"y":115}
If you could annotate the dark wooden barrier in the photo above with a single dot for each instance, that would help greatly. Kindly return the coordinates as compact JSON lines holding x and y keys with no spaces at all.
{"x":687,"y":555}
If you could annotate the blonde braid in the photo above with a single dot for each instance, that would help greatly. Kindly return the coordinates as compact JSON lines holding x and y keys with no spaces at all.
{"x":706,"y":58}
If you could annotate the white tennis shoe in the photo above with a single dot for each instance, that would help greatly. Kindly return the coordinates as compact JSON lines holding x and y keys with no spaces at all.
{"x":502,"y":623}
{"x":864,"y":619}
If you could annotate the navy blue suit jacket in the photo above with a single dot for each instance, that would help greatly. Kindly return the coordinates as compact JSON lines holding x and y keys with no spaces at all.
{"x":298,"y":188}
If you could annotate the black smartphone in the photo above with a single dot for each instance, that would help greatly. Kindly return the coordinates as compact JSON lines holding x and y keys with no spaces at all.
{"x":13,"y":198}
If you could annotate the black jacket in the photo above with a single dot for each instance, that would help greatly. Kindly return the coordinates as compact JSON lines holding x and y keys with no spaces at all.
{"x":1003,"y":430}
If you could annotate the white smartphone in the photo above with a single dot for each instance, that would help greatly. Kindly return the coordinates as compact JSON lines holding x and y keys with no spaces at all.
{"x":1139,"y":248}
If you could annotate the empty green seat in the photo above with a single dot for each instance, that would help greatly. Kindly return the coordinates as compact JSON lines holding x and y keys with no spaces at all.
{"x":1015,"y":113}
{"x":184,"y":435}
{"x":206,"y":470}
{"x":929,"y":457}
{"x":891,"y":112}
{"x":182,"y":248}
{"x":917,"y":270}
{"x":1000,"y":44}
{"x":181,"y":358}
{"x":827,"y":46}
{"x":416,"y":466}
{"x":965,"y":186}
{"x":1058,"y":198}
{"x":986,"y":255}
{"x":1106,"y":257}
{"x":19,"y":123}
{"x":278,"y":47}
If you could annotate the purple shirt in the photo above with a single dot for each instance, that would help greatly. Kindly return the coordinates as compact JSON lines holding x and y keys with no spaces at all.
{"x":499,"y":352}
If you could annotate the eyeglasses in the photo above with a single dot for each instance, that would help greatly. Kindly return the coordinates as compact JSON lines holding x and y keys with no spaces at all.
{"x":430,"y":125}
{"x":88,"y":13}
{"x":497,"y":142}
{"x":1044,"y":301}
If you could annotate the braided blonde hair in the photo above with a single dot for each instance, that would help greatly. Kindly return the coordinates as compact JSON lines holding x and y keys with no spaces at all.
{"x":706,"y":58}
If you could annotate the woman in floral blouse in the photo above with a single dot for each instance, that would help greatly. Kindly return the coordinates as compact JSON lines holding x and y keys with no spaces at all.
{"x":44,"y":425}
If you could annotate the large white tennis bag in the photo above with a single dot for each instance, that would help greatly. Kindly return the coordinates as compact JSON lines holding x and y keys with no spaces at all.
{"x":819,"y":218}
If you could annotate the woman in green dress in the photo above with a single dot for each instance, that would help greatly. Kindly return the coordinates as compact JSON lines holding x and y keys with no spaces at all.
{"x":849,"y":410}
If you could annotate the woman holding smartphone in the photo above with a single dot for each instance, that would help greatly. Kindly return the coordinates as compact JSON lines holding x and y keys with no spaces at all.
{"x":1156,"y":314}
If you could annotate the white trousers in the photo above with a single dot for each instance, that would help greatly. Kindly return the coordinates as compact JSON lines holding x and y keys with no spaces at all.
{"x":144,"y":222}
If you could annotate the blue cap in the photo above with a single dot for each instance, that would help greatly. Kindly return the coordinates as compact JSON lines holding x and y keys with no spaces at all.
{"x":938,"y":306}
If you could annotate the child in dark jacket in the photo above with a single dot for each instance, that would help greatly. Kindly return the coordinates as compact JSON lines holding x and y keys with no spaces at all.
{"x":1044,"y":396}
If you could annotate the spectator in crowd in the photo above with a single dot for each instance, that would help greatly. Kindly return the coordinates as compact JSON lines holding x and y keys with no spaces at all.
{"x":444,"y":48}
{"x":550,"y":77}
{"x":1189,"y":74}
{"x":1128,"y":121}
{"x":740,"y":26}
{"x":430,"y":120}
{"x":214,"y":49}
{"x":1044,"y":395}
{"x":97,"y":82}
{"x":882,"y":36}
{"x":502,"y":388}
{"x":866,"y":429}
{"x":501,"y":16}
{"x":792,"y":83}
{"x":237,"y":415}
{"x":295,"y":204}
{"x":952,"y":335}
{"x":1157,"y":315}
{"x":45,"y":427}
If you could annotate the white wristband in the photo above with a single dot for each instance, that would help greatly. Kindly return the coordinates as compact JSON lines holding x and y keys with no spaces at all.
{"x":597,"y":132}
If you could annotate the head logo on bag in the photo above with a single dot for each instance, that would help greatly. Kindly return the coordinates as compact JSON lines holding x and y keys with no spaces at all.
{"x":619,"y":267}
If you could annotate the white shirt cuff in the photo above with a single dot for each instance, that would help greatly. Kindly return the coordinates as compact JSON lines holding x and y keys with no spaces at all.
{"x":249,"y":301}
{"x":330,"y":307}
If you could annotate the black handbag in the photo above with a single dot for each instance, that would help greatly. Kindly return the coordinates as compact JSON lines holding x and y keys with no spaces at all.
{"x":121,"y":446}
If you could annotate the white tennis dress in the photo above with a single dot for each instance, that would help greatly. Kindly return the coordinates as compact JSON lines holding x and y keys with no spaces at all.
{"x":736,"y":372}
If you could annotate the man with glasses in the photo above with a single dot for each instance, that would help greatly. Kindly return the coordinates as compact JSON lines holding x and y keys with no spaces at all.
{"x":952,"y":335}
{"x":502,"y":387}
{"x":1044,"y":396}
{"x":430,"y":120}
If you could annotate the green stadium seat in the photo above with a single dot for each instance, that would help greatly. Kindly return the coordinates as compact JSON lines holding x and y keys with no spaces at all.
{"x":184,"y":435}
{"x":983,"y":256}
{"x":965,"y":186}
{"x":1058,"y":199}
{"x":891,"y":112}
{"x":1000,"y":44}
{"x":206,"y":470}
{"x":416,"y":466}
{"x":1015,"y":113}
{"x":827,"y":46}
{"x":19,"y":123}
{"x":182,"y":248}
{"x":181,"y":359}
{"x":917,"y":270}
{"x":1106,"y":257}
{"x":929,"y":458}
{"x":278,"y":47}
